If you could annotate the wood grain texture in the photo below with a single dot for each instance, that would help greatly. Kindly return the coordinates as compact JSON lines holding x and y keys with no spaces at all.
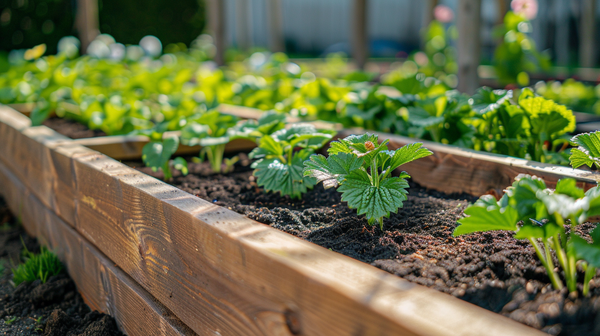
{"x":455,"y":170}
{"x":220,"y":272}
{"x":103,"y":286}
{"x":127,"y":147}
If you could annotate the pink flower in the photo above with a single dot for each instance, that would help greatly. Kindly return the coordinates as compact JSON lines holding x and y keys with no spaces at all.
{"x":443,"y":13}
{"x":527,"y":8}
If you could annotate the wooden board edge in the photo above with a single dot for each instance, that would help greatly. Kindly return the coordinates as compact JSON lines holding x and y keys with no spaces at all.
{"x":246,"y":250}
{"x":243,"y":239}
{"x":456,"y":170}
{"x":104,"y":286}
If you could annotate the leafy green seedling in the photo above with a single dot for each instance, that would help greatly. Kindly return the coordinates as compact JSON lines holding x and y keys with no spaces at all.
{"x":213,"y":131}
{"x":544,"y":213}
{"x":37,"y":266}
{"x":279,"y":165}
{"x":360,"y":168}
{"x":11,"y":320}
{"x":588,"y":150}
{"x":268,"y":123}
{"x":157,"y":153}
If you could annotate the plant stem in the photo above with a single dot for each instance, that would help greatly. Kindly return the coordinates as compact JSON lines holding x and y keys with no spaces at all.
{"x":572,"y":281}
{"x":562,"y":258}
{"x":167,"y":171}
{"x":556,"y":283}
{"x":590,"y":271}
{"x":375,"y":172}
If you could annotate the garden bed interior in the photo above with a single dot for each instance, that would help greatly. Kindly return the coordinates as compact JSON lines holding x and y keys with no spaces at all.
{"x":217,"y":270}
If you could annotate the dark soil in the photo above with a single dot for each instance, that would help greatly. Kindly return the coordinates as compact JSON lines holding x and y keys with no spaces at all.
{"x":54,"y":308}
{"x":491,"y":270}
{"x":71,"y":128}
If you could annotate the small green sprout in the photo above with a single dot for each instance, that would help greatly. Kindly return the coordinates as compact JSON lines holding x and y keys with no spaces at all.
{"x":361,"y":170}
{"x":37,"y":266}
{"x":11,"y":320}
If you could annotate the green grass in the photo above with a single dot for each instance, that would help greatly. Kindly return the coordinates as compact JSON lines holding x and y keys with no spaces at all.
{"x":37,"y":266}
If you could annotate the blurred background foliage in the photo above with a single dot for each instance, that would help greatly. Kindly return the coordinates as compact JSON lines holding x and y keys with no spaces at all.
{"x":171,"y":21}
{"x":27,"y":23}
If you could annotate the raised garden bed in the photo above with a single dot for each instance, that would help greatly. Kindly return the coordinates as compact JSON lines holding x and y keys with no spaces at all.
{"x":212,"y":268}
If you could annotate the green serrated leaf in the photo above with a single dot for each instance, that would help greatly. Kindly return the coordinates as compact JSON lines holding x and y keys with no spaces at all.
{"x":584,"y":250}
{"x":375,"y":202}
{"x":568,"y":186}
{"x":406,"y":154}
{"x":332,"y":170}
{"x":588,"y":152}
{"x":285,"y":178}
{"x":535,"y":231}
{"x":481,"y":219}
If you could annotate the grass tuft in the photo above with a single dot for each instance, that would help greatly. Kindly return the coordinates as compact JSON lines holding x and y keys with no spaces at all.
{"x":37,"y":266}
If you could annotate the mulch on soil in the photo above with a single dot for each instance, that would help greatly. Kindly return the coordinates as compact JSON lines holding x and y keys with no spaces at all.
{"x":54,"y":308}
{"x":492,"y":270}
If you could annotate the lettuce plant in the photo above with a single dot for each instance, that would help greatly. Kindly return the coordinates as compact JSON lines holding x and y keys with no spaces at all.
{"x":543,"y":213}
{"x":360,"y":168}
{"x":281,"y":156}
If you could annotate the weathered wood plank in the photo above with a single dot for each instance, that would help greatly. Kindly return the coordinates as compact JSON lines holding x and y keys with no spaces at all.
{"x":456,"y":170}
{"x":103,"y":286}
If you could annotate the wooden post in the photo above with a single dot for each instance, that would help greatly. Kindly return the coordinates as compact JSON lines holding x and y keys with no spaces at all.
{"x":86,"y":22}
{"x":428,"y":12}
{"x":243,"y":27}
{"x":588,"y":36}
{"x":275,"y":21}
{"x":216,"y":23}
{"x":502,"y":10}
{"x":359,"y":38}
{"x":469,"y":42}
{"x":561,"y":40}
{"x":427,"y":18}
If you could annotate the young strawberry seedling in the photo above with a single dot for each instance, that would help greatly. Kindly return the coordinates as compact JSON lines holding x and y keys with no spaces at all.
{"x":279,"y":165}
{"x":361,"y":170}
{"x":544,"y":214}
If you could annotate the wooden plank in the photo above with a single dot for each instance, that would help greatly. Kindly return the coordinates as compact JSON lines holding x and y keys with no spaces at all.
{"x":457,"y":170}
{"x":221,"y":272}
{"x":469,"y":44}
{"x":103,"y":286}
{"x":587,"y":32}
{"x":359,"y":33}
{"x":216,"y":23}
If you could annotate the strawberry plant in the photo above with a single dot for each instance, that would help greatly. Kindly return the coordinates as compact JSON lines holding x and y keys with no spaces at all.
{"x":588,"y":150}
{"x":360,"y":168}
{"x":280,"y":158}
{"x":543,"y":213}
{"x":212,"y":130}
{"x":157,"y":153}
